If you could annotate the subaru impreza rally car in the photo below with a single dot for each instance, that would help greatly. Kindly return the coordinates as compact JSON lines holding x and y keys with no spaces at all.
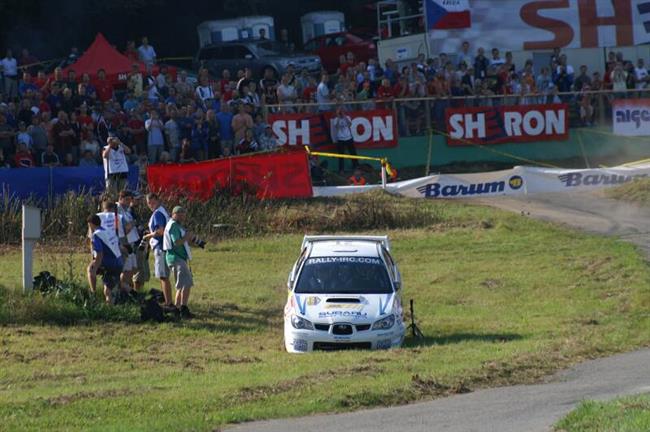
{"x":343,"y":294}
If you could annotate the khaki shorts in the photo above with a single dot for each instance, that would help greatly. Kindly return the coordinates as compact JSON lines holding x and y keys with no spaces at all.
{"x":130,"y":262}
{"x":160,"y":269}
{"x":142,"y":273}
{"x":182,"y":274}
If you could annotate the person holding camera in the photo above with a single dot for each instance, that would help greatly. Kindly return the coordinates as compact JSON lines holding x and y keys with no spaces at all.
{"x":157,"y":224}
{"x":129,"y":238}
{"x":178,"y":254}
{"x":341,"y":132}
{"x":113,"y":222}
{"x":116,"y":168}
{"x":106,"y":258}
{"x":142,"y":273}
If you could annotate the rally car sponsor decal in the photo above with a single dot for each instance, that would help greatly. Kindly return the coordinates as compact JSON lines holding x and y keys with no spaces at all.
{"x":343,"y":314}
{"x":349,"y":306}
{"x":384,"y":304}
{"x":342,"y":260}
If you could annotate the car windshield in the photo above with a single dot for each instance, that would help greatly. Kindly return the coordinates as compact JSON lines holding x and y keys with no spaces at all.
{"x":344,"y":275}
{"x":271,"y":48}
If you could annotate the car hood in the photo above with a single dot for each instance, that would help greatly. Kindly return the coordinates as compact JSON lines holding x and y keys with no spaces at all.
{"x":331,"y":308}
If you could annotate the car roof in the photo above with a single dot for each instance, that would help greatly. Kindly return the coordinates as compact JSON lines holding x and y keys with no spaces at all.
{"x":332,"y":248}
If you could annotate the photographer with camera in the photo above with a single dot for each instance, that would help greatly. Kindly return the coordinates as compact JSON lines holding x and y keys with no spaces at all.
{"x":141,"y":274}
{"x":157,"y":224}
{"x":129,"y":238}
{"x":114,"y":223}
{"x":107,"y":258}
{"x":116,"y":168}
{"x":178,"y":254}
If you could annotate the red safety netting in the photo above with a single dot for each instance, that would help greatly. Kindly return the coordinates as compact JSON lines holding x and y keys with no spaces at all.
{"x":282,"y":174}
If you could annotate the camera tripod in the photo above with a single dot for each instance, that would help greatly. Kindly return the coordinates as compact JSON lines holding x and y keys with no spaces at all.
{"x":415,"y":330}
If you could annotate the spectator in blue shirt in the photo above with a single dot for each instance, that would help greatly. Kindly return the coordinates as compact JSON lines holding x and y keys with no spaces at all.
{"x":200,"y":138}
{"x":225,"y":127}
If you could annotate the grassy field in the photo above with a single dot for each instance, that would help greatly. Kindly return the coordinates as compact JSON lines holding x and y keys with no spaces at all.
{"x":501,"y":299}
{"x":629,"y":414}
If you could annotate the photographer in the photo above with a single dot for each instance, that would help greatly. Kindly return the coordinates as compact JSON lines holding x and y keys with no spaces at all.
{"x":341,"y":131}
{"x":141,"y":274}
{"x":114,"y":223}
{"x":157,"y":224}
{"x":177,"y":255}
{"x":130,"y":238}
{"x":116,"y":168}
{"x":107,"y":259}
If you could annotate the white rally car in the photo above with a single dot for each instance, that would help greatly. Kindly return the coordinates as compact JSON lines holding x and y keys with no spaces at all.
{"x":343,"y":294}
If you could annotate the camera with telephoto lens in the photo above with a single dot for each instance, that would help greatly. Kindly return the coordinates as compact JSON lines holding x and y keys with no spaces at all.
{"x":199,"y":242}
{"x":143,"y":242}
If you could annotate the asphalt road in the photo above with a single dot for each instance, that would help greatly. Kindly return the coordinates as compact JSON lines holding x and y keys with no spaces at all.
{"x":527,"y":408}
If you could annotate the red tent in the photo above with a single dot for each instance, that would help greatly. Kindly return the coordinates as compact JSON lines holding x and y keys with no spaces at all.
{"x":102,"y":55}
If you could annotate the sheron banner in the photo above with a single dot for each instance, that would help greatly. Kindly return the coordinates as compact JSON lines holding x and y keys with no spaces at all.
{"x":507,"y":124}
{"x":539,"y":25}
{"x":370,"y":129}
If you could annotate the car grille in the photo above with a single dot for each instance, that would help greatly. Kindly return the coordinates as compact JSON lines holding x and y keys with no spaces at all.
{"x":342,"y":329}
{"x":336,"y":346}
{"x":326,"y":327}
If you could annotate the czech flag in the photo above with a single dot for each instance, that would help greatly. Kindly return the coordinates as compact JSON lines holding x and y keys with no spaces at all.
{"x":447,"y":14}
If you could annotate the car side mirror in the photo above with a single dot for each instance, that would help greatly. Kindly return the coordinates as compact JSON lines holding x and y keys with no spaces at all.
{"x":248,"y":56}
{"x":398,"y":278}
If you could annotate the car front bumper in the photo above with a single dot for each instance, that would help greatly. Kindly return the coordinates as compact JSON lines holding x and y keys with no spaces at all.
{"x":301,"y":341}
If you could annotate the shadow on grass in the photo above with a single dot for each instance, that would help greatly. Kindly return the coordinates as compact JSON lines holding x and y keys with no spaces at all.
{"x":455,"y":338}
{"x":232,"y":318}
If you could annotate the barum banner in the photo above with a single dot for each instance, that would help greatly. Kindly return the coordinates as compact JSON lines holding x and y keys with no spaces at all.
{"x":539,"y":180}
{"x":507,"y":182}
{"x":506,"y":124}
{"x":631,"y":117}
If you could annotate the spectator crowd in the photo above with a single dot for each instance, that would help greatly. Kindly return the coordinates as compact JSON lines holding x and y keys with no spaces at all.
{"x":48,"y":119}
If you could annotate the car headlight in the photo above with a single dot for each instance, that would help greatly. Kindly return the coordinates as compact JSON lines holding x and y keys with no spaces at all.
{"x":301,"y":323}
{"x":385,"y":323}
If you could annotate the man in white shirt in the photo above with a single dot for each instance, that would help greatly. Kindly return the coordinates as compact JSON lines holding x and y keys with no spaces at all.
{"x":9,"y":66}
{"x":116,"y":168}
{"x":465,"y":56}
{"x":323,"y":94}
{"x":155,"y":136}
{"x":341,"y":131}
{"x":496,"y":59}
{"x":146,"y":52}
{"x":641,"y":75}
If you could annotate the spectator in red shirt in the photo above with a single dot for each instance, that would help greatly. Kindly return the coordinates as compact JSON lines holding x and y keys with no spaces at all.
{"x":86,"y":124}
{"x":63,"y":135}
{"x":103,"y":87}
{"x":41,"y":80}
{"x":24,"y":158}
{"x":135,"y":127}
{"x":131,"y":52}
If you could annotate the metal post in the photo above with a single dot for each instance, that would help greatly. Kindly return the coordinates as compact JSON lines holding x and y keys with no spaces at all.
{"x":31,"y":234}
{"x":384,"y":178}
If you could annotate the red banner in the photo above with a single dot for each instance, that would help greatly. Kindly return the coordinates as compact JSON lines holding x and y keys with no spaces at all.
{"x":370,"y":129}
{"x":283,"y":174}
{"x":507,"y":124}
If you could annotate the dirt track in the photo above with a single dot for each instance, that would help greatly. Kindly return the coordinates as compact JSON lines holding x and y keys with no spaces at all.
{"x":590,"y":212}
